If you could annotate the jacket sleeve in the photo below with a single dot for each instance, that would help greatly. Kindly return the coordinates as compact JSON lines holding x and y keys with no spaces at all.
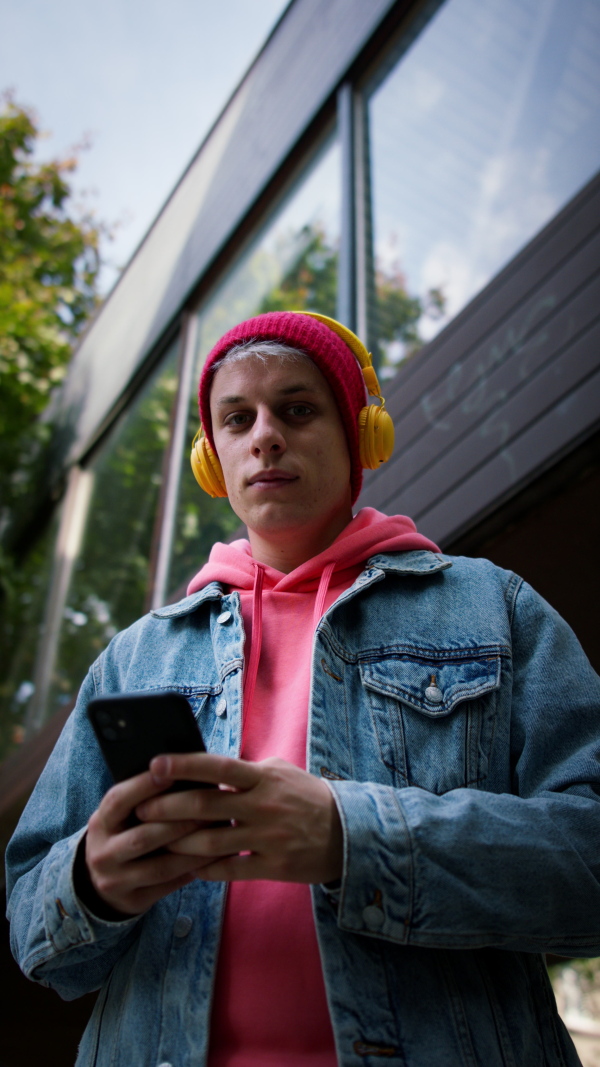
{"x":470,"y":868}
{"x":54,"y":938}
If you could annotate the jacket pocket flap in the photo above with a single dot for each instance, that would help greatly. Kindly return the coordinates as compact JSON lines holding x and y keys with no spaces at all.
{"x":433,"y":686}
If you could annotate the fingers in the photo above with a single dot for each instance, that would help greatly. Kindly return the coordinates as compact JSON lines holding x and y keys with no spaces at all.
{"x":213,"y":841}
{"x":205,"y":767}
{"x":281,"y":823}
{"x":201,"y":805}
{"x":133,"y":888}
{"x":235,"y":869}
{"x":116,"y":806}
{"x":140,"y":840}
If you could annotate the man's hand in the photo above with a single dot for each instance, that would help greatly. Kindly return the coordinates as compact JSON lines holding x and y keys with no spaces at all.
{"x":281,"y":823}
{"x":120,"y":870}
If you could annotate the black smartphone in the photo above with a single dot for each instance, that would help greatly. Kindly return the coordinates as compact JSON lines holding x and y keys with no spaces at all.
{"x":133,"y":728}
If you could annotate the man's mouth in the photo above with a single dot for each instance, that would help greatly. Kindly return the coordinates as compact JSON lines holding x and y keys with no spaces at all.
{"x":272,"y":476}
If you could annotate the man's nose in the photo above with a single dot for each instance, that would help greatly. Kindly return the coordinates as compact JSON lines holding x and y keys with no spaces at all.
{"x":267,"y":436}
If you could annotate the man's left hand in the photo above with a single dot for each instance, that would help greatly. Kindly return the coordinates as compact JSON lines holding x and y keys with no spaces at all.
{"x":281,"y":823}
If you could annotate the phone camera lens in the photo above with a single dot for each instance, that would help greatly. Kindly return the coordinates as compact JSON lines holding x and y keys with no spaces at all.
{"x":109,"y":733}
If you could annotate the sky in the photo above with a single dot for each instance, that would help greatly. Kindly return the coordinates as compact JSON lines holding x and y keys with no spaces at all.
{"x":141,"y":80}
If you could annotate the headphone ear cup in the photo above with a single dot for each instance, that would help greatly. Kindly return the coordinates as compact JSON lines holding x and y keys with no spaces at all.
{"x":375,"y":436}
{"x":206,"y":468}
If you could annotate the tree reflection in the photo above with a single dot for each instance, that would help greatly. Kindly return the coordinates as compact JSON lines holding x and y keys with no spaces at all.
{"x":111,"y":578}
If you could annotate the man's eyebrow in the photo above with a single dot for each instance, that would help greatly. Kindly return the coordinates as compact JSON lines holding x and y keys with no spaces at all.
{"x":289,"y":390}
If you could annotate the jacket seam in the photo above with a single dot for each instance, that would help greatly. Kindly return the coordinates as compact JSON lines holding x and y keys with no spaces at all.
{"x":378,"y":652}
{"x":551,"y":1013}
{"x":512,"y":591}
{"x":492,"y":939}
{"x":411,"y":866}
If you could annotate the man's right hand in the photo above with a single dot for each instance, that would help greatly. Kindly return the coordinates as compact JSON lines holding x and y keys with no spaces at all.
{"x":121,"y":872}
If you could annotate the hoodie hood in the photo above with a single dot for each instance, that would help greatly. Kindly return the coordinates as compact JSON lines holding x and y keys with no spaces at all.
{"x":368,"y":533}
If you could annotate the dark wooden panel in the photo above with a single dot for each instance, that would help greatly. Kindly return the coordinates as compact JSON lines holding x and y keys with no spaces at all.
{"x":506,"y":388}
{"x":540,"y":331}
{"x":562,"y":427}
{"x":548,"y":534}
{"x":541,"y":258}
{"x":497,"y":433}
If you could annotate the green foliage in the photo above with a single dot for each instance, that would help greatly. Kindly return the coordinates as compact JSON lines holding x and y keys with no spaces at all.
{"x":398,"y":315}
{"x":49,"y":264}
{"x":311,"y":280}
{"x":111,"y":577}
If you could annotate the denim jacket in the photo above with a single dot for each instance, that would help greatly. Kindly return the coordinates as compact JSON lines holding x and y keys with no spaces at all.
{"x":456,"y":719}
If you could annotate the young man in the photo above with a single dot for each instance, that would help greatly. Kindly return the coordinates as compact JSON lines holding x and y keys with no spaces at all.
{"x":414,"y":818}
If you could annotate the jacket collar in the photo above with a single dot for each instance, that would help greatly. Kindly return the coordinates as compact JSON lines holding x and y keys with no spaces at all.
{"x":213,"y":591}
{"x":417,"y":562}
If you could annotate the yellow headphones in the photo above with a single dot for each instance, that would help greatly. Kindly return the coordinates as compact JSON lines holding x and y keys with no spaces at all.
{"x":375,"y":425}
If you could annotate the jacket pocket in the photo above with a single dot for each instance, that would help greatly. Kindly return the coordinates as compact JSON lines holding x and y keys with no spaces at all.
{"x":434,"y":714}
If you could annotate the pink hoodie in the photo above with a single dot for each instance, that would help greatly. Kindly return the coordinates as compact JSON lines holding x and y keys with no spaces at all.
{"x":269,"y":1003}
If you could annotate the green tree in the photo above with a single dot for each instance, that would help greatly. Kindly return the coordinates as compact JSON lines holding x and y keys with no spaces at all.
{"x":49,"y":262}
{"x":398,"y":314}
{"x":311,"y":280}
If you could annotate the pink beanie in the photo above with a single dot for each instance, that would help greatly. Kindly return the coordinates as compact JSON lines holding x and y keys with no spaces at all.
{"x":335,"y":360}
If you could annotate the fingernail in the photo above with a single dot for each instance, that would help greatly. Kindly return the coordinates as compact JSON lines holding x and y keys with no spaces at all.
{"x":159,"y":769}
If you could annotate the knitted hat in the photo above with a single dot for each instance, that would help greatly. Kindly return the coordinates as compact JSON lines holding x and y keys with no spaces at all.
{"x":332,"y":356}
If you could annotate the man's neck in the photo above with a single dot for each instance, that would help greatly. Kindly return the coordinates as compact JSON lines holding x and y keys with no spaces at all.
{"x":286,"y":550}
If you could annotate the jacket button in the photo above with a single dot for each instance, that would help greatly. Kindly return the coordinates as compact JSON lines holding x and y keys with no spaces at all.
{"x":434,"y":695}
{"x":164,"y":1064}
{"x":182,"y":926}
{"x":224,"y":617}
{"x":373,"y":917}
{"x":221,"y":707}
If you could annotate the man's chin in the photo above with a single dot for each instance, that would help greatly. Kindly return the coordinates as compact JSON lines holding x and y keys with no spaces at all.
{"x":275,"y":518}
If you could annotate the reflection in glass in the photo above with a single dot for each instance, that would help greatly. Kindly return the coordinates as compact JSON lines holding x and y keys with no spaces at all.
{"x":292,"y":265}
{"x":21,"y":614}
{"x":486,"y":127}
{"x":111,"y":576}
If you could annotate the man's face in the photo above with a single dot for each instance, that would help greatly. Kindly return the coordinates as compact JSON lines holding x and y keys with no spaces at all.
{"x":281,"y":443}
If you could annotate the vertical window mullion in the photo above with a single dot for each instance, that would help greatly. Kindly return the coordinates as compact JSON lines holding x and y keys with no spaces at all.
{"x":174,"y":466}
{"x":346,"y":297}
{"x":72,"y":526}
{"x":362,"y":222}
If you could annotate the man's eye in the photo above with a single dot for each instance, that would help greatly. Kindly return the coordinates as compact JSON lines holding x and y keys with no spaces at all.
{"x":299,"y":410}
{"x":237,"y":418}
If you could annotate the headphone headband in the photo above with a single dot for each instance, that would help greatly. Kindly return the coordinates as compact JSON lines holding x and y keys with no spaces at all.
{"x":355,"y":345}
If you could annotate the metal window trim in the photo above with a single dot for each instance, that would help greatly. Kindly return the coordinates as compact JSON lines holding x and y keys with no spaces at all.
{"x":175,"y":461}
{"x":68,"y":544}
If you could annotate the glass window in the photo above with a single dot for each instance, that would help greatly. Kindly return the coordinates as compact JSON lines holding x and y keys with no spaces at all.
{"x":484,"y":129}
{"x":21,"y":618}
{"x":290,"y":266}
{"x":111,"y":576}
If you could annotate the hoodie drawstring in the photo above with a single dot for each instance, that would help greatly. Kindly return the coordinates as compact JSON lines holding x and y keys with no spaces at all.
{"x":252,"y":671}
{"x":322,"y":593}
{"x":252,"y":668}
